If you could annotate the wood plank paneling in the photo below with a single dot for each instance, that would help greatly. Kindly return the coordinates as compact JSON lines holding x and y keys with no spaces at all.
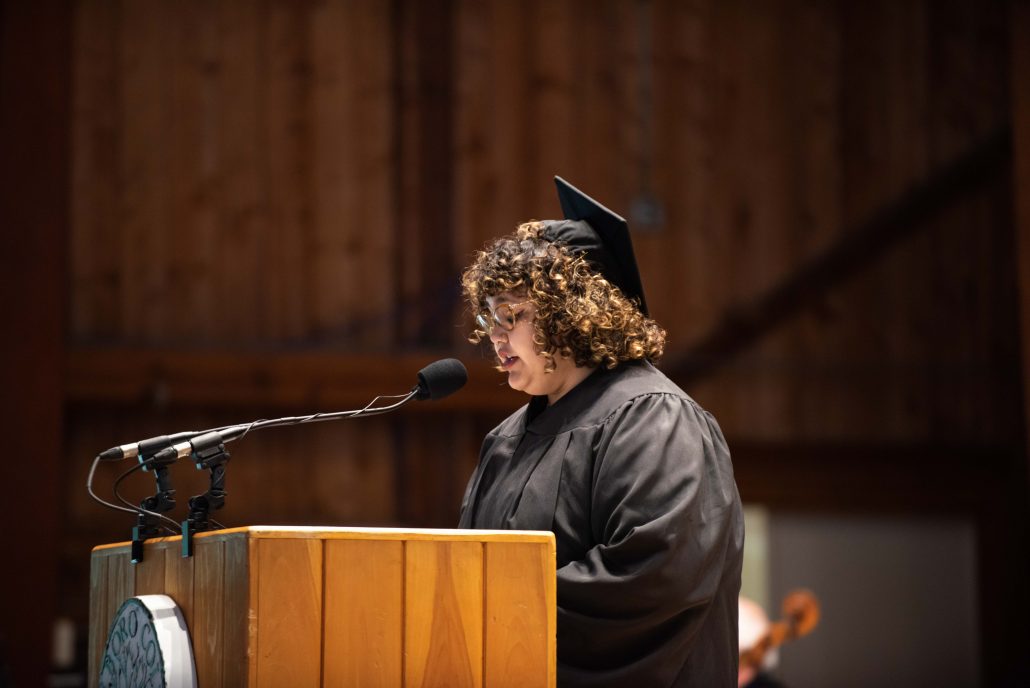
{"x":425,"y":261}
{"x":98,"y":623}
{"x":631,"y":155}
{"x":287,"y":162}
{"x":289,"y":643}
{"x":400,"y":606}
{"x":352,"y":472}
{"x":443,"y":624}
{"x":150,"y":573}
{"x":179,"y":584}
{"x":208,"y":627}
{"x":884,"y":54}
{"x":352,"y":133}
{"x":519,"y":628}
{"x":143,"y":168}
{"x":773,"y":136}
{"x":121,"y":583}
{"x":436,"y":456}
{"x":689,"y":160}
{"x":811,"y":40}
{"x":237,"y":605}
{"x":192,"y":132}
{"x":94,"y":264}
{"x":557,"y":142}
{"x":363,"y":622}
{"x":36,"y":77}
{"x":278,"y":141}
{"x":372,"y":212}
{"x":745,"y":209}
{"x":159,"y":378}
{"x":490,"y":120}
{"x":333,"y":276}
{"x":112,"y":581}
{"x":242,"y":190}
{"x":474,"y":186}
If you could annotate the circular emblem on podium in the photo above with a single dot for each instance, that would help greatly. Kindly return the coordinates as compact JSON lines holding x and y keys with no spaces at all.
{"x":148,"y":646}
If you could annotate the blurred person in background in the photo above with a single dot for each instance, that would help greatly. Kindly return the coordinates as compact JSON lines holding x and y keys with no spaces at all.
{"x":754,"y":624}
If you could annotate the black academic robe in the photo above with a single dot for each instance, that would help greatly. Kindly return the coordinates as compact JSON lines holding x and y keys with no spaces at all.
{"x":634,"y":479}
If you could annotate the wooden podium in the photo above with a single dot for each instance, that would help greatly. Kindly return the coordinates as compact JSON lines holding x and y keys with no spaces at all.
{"x":293,"y":606}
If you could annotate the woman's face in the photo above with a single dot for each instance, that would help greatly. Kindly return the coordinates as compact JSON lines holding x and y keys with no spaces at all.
{"x":518,"y":355}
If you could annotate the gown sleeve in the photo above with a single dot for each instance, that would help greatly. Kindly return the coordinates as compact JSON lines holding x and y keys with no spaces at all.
{"x":666,"y":516}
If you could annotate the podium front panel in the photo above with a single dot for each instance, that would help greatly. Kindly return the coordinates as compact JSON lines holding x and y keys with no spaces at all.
{"x":274,"y":606}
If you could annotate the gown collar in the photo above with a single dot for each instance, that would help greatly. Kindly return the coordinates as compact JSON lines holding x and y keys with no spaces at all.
{"x":542,"y":419}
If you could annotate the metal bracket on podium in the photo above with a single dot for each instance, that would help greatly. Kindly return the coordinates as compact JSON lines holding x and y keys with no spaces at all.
{"x":164,"y":500}
{"x":209,"y":455}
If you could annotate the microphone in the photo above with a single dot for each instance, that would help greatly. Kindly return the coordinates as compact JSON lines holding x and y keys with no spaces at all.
{"x":144,"y":447}
{"x":200,"y":444}
{"x":440,"y":379}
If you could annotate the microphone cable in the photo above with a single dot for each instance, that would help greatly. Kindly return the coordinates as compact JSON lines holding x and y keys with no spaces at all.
{"x":140,"y":509}
{"x":367,"y":410}
{"x":130,"y":507}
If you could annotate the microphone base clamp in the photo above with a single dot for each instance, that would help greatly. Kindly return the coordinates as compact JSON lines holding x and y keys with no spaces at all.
{"x":201,"y":506}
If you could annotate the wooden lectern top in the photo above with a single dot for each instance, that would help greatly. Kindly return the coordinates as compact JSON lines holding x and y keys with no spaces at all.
{"x":315,"y":606}
{"x":363,"y":533}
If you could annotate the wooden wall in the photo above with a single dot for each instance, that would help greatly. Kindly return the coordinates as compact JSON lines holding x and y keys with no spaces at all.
{"x":256,"y":183}
{"x":254,"y":175}
{"x":233,"y":172}
{"x":34,"y":161}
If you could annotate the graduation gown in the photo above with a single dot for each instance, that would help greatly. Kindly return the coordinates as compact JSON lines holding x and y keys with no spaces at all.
{"x":634,"y":479}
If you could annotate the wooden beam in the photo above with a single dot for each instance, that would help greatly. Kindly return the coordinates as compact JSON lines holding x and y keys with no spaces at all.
{"x":307,"y":380}
{"x":858,"y":247}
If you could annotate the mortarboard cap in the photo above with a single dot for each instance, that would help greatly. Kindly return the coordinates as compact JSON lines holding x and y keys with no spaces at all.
{"x":601,"y":236}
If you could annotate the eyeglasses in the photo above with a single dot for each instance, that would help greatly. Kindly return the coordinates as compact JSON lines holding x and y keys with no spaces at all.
{"x":503,"y":314}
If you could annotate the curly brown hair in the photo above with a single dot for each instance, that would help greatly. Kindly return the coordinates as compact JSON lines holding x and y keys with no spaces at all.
{"x":579,"y":314}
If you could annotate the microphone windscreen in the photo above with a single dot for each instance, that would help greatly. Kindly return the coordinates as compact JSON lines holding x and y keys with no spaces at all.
{"x":441,"y":378}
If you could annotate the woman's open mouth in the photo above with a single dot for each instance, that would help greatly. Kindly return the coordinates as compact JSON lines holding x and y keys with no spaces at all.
{"x":507,"y":361}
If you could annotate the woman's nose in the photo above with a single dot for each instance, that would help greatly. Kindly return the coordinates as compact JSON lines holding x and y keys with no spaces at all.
{"x":497,"y":334}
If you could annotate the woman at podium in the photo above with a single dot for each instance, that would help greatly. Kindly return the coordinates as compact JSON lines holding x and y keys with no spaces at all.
{"x":631,"y":475}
